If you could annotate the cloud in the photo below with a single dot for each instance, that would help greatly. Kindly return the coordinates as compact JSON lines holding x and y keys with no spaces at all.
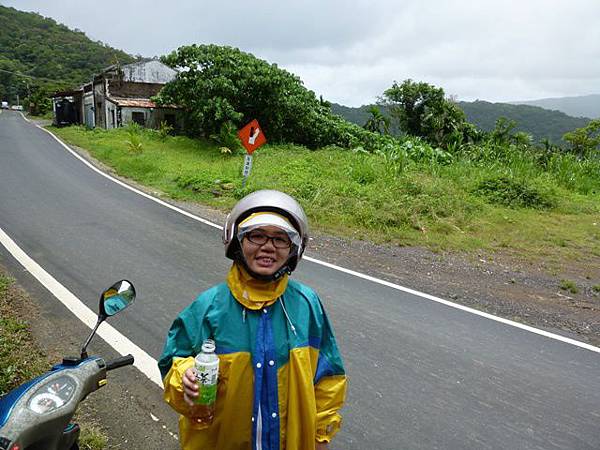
{"x":350,"y":51}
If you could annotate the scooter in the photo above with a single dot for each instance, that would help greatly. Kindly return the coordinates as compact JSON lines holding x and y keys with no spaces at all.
{"x":37,"y":415}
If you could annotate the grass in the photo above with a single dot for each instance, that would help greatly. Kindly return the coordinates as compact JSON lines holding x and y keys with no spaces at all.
{"x":21,"y":359}
{"x":569,"y":286}
{"x":509,"y":204}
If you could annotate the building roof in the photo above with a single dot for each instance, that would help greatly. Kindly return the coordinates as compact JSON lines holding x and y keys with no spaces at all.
{"x":138,"y":103}
{"x":149,"y":71}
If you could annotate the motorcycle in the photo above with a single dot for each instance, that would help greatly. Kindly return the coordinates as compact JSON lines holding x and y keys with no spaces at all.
{"x":37,"y":415}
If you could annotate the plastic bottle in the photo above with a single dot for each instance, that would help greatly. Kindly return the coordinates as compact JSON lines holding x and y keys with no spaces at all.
{"x":207,"y":374}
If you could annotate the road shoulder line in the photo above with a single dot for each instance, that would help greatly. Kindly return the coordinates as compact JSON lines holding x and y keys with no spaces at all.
{"x":143,"y":361}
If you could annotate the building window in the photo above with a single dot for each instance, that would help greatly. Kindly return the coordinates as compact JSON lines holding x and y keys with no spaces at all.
{"x":139,"y":118}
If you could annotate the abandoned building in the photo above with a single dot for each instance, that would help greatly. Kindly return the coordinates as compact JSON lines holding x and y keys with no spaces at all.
{"x":118,"y":96}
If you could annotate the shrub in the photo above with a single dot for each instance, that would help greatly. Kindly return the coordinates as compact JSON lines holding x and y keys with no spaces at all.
{"x":507,"y":191}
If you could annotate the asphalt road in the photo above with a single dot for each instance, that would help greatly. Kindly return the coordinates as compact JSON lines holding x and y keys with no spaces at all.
{"x":422,"y":375}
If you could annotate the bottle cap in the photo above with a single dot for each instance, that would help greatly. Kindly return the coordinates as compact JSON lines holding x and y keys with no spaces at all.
{"x":208,"y":346}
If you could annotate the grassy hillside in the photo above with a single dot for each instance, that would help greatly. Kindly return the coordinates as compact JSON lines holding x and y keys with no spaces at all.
{"x":581,"y":106}
{"x":512,"y":201}
{"x":540,"y":123}
{"x":50,"y":55}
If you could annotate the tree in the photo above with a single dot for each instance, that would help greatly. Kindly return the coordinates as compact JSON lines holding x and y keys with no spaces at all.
{"x":218,"y":85}
{"x":378,"y":122}
{"x":422,"y":110}
{"x":586,"y":140}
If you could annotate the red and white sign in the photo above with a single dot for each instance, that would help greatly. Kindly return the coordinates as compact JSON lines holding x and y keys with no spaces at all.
{"x":252,"y":136}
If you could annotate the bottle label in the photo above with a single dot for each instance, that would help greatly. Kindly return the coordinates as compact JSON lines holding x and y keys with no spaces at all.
{"x":206,"y":376}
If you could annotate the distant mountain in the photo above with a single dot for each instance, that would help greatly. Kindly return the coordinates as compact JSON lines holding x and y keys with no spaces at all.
{"x":35,"y":50}
{"x":540,"y":123}
{"x":582,"y":106}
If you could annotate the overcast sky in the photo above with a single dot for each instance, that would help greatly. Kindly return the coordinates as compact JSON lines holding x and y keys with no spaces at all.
{"x":350,"y":51}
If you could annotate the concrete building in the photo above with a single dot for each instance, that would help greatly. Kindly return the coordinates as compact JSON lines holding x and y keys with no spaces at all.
{"x":117,"y":96}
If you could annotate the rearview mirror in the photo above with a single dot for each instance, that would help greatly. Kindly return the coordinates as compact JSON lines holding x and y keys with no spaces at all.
{"x":116,"y":298}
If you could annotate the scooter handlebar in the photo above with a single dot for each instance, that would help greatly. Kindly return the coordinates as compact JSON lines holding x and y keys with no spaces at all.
{"x":126,"y":360}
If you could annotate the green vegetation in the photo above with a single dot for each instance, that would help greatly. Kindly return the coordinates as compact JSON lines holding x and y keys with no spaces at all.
{"x":540,"y":123}
{"x":585,"y":141}
{"x":18,"y":362}
{"x":39,"y":56}
{"x":21,"y":359}
{"x":409,"y":196}
{"x":596,"y":288}
{"x":569,"y":286}
{"x":222,"y":88}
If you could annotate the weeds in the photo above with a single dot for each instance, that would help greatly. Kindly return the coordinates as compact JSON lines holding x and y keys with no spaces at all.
{"x":514,"y":193}
{"x":569,"y":286}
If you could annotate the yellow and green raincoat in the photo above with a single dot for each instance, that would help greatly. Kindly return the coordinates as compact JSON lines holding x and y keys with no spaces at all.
{"x":281,"y":377}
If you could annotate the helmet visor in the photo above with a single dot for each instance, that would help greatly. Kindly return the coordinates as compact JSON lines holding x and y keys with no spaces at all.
{"x":262,"y":219}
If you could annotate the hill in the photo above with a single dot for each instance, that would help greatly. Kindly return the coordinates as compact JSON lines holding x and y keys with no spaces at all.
{"x":540,"y":123}
{"x":581,"y":106}
{"x":37,"y":51}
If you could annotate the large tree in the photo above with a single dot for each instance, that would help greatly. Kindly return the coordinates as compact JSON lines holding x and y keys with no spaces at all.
{"x":219,"y":86}
{"x":421,"y":109}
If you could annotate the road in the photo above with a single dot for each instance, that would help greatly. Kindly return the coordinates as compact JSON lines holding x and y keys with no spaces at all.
{"x":423,"y":375}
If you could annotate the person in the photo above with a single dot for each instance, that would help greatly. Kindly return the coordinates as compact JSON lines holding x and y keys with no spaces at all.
{"x":281,"y":377}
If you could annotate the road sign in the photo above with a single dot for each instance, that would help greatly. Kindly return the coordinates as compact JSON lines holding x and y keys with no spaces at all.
{"x":252,"y":136}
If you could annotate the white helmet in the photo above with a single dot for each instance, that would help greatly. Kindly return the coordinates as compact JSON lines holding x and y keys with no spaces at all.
{"x":266,"y":201}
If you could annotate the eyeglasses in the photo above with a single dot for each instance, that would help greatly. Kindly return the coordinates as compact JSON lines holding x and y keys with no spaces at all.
{"x":258,"y":238}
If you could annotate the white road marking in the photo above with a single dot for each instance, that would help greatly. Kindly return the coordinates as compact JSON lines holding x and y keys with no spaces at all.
{"x":146,"y":363}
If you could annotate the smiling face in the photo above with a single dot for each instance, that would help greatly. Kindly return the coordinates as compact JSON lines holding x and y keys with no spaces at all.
{"x":266,"y":258}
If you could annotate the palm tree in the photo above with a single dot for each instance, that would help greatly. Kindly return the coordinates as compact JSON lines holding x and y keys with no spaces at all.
{"x":377,"y":123}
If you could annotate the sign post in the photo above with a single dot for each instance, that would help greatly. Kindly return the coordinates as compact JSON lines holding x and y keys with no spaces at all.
{"x":252,"y":137}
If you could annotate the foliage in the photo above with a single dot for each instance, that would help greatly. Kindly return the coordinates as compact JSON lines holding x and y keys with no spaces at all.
{"x":378,"y":122}
{"x":228,"y":139}
{"x":39,"y":101}
{"x":134,"y":142}
{"x":39,"y":56}
{"x":17,"y":362}
{"x":585,"y":141}
{"x":422,"y":110}
{"x":511,"y":192}
{"x":569,"y":286}
{"x":224,"y":87}
{"x":218,"y":84}
{"x":533,"y":120}
{"x":164,"y":130}
{"x":541,"y":124}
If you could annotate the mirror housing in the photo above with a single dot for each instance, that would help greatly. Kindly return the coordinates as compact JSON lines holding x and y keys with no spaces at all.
{"x":116,"y":298}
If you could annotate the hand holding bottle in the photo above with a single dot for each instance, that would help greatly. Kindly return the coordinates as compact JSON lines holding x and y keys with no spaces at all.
{"x":190,"y":386}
